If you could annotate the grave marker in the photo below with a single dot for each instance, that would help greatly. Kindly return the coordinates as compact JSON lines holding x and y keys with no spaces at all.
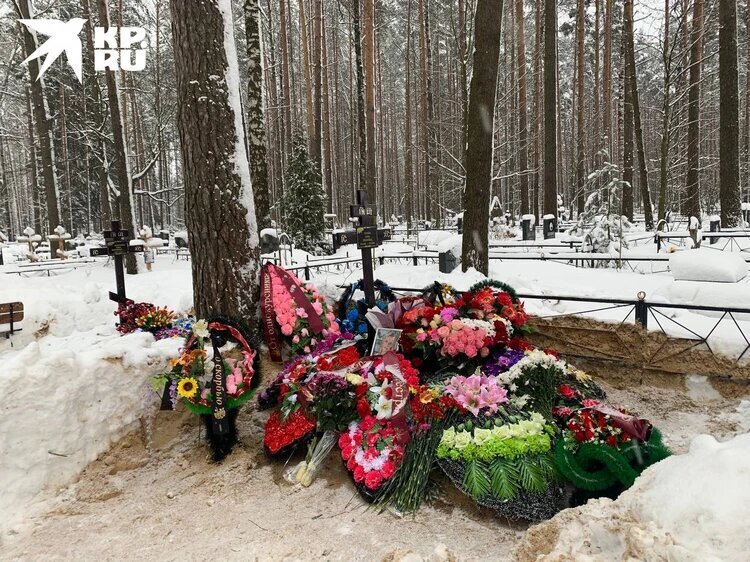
{"x":118,"y":245}
{"x":367,"y":239}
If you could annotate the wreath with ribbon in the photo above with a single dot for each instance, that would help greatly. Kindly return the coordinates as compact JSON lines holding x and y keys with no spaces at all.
{"x":352,"y":313}
{"x":214,"y":375}
{"x":292,"y":310}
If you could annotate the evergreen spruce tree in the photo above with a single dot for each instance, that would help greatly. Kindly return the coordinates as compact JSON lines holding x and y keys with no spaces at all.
{"x":303,"y":203}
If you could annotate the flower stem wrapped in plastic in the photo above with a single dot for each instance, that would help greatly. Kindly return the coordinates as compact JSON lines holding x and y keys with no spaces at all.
{"x":306,"y":471}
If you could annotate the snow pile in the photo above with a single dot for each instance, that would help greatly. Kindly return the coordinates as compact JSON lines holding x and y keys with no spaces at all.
{"x":706,"y":294}
{"x":66,"y":400}
{"x":451,"y":244}
{"x":707,"y":265}
{"x":73,"y":385}
{"x":691,"y":507}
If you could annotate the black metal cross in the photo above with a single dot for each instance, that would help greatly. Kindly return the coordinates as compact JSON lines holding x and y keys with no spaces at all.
{"x":118,"y":245}
{"x":367,"y":239}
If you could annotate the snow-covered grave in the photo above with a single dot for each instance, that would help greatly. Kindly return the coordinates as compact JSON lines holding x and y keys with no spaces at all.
{"x":707,"y":265}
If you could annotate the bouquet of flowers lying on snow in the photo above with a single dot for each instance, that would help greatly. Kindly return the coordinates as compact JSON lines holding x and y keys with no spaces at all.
{"x":302,"y":314}
{"x":146,"y":317}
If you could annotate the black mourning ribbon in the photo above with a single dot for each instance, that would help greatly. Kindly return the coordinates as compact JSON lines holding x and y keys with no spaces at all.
{"x":219,"y":403}
{"x":166,"y":396}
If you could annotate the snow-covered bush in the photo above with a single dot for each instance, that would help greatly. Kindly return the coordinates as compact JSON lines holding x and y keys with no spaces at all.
{"x":600,"y":223}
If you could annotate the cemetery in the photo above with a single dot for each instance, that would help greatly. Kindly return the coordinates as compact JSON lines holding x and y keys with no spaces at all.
{"x":394,"y":280}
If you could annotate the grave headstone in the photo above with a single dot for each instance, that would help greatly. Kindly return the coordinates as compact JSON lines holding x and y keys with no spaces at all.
{"x":714,"y":225}
{"x":527,"y":227}
{"x":549,"y":225}
{"x":447,"y":262}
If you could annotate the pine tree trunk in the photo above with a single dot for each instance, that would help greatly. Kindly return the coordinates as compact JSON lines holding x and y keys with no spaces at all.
{"x":368,"y":61}
{"x":666,"y":118}
{"x":326,"y":126}
{"x":607,"y":81}
{"x":550,"y":107}
{"x":34,"y":187}
{"x":580,"y":83}
{"x":93,"y":93}
{"x":630,"y":74}
{"x":42,"y":123}
{"x":487,"y":37}
{"x":408,"y":175}
{"x":627,"y":129}
{"x":538,"y":105}
{"x":307,"y":72}
{"x":359,"y":71}
{"x":523,"y":149}
{"x":424,"y":120}
{"x":692,"y":204}
{"x":220,"y":211}
{"x":315,"y":51}
{"x":286,"y":86}
{"x":463,"y":85}
{"x":729,"y":113}
{"x":122,"y":168}
{"x":596,"y":143}
{"x":255,"y":119}
{"x":746,"y":134}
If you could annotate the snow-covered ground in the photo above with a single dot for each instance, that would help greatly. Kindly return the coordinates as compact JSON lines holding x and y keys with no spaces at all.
{"x":692,"y":507}
{"x":72,"y":384}
{"x":74,"y":387}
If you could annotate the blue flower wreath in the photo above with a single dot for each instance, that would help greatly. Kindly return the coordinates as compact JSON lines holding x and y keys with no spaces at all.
{"x":352,"y":313}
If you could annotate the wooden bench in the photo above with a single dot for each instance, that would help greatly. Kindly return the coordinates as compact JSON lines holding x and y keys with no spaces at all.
{"x":11,"y":313}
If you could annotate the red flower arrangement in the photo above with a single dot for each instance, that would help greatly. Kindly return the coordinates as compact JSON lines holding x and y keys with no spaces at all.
{"x":339,"y":360}
{"x":281,"y":434}
{"x":590,"y":425}
{"x":487,"y":303}
{"x":429,"y":404}
{"x":129,"y":313}
{"x":372,"y":450}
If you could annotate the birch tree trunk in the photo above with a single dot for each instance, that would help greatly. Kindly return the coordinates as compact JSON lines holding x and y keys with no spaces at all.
{"x":220,"y":210}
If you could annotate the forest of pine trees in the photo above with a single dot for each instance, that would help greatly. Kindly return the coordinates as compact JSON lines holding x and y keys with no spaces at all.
{"x":655,"y":91}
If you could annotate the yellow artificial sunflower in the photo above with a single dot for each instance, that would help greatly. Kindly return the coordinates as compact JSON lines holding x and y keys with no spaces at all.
{"x":187,"y":387}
